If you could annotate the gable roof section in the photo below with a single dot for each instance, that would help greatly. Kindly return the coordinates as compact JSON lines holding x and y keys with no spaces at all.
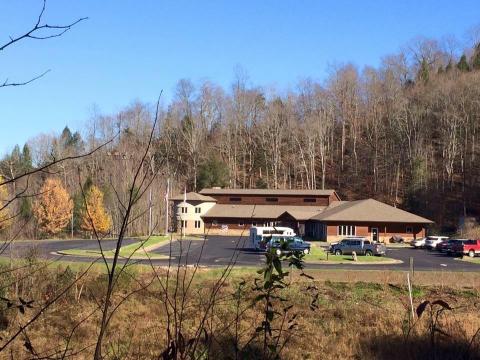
{"x":262,"y":211}
{"x":268,"y":192}
{"x":368,"y":210}
{"x":193,"y":196}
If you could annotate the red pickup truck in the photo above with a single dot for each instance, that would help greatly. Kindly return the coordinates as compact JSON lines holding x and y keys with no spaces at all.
{"x":467,"y":247}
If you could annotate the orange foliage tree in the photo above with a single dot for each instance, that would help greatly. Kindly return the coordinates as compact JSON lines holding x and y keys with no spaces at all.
{"x":4,"y":210}
{"x":94,"y":215}
{"x":53,"y":207}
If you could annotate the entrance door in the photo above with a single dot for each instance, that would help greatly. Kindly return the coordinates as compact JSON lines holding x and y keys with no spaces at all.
{"x":375,"y":234}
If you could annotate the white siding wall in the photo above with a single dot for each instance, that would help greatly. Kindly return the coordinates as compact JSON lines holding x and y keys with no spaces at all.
{"x":191,"y":216}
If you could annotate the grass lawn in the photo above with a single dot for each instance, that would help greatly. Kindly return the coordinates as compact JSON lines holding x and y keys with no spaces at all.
{"x":318,"y":254}
{"x":136,"y":250}
{"x":475,"y":260}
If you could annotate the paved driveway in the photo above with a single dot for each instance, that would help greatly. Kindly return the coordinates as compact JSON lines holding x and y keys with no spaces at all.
{"x":221,"y":250}
{"x":218,"y":250}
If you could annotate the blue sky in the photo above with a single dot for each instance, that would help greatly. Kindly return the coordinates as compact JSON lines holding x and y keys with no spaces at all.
{"x":130,"y":50}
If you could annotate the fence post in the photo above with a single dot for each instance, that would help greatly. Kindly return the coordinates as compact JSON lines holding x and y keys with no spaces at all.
{"x":412,"y":267}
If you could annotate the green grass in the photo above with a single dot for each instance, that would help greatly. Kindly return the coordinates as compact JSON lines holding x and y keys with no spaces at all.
{"x":138,"y":250}
{"x":475,"y":260}
{"x":318,"y":254}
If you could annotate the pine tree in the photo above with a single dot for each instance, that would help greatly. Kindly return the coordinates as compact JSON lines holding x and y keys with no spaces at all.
{"x":476,"y":58}
{"x":26,"y":159}
{"x":5,"y":215}
{"x":424,"y":71}
{"x":463,"y":64}
{"x":53,"y":207}
{"x":449,"y":66}
{"x":94,"y":216}
{"x":213,"y":172}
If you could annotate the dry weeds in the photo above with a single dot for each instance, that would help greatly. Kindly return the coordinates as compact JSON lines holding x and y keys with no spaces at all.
{"x":360,"y":315}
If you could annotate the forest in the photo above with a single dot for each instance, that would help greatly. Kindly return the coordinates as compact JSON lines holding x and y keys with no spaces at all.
{"x":404,"y":132}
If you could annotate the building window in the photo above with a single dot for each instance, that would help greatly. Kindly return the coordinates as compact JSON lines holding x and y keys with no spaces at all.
{"x":241,"y":223}
{"x":235,"y":199}
{"x":409,"y":230}
{"x":214,"y":222}
{"x":346,"y":230}
{"x":184,"y":224}
{"x":272,"y":199}
{"x":184,"y":209}
{"x":198,"y":210}
{"x":310,"y":200}
{"x":197,"y":224}
{"x":254,"y":224}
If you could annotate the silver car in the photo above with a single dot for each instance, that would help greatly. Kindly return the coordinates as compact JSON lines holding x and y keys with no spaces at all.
{"x":419,"y":243}
{"x":432,"y":241}
{"x":361,"y":246}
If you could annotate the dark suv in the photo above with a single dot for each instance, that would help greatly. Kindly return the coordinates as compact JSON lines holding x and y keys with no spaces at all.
{"x":288,"y":245}
{"x":361,"y":246}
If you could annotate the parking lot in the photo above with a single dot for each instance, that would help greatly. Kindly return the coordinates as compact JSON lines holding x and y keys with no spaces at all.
{"x":222,"y":250}
{"x":219,"y":250}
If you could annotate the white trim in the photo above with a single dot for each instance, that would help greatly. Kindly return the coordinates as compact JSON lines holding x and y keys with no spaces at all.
{"x":352,"y":233}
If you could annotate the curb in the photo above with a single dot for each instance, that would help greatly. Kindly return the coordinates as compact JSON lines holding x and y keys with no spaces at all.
{"x":93,"y":256}
{"x":325,"y":262}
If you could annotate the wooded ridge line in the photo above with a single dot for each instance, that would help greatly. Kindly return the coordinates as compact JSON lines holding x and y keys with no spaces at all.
{"x":404,"y":133}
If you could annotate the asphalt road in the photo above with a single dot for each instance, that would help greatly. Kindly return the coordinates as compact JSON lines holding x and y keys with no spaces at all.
{"x":221,"y":250}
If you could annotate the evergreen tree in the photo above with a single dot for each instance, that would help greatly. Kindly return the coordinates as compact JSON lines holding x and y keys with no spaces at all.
{"x":463,"y":64}
{"x":66,"y":137}
{"x":212,"y":172}
{"x":26,"y":159}
{"x":26,"y":208}
{"x":16,"y":154}
{"x":476,"y":58}
{"x":449,"y":66}
{"x":424,"y":71}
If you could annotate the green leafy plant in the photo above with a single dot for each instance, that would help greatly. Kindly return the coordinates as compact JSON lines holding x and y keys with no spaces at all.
{"x":279,"y":319}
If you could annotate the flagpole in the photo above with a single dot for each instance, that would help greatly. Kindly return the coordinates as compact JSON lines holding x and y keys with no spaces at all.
{"x":184,"y":204}
{"x":150,"y":212}
{"x":166,"y":207}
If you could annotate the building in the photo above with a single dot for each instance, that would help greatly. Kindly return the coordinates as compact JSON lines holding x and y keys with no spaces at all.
{"x":316,"y":214}
{"x":367,"y":218}
{"x":188,"y":209}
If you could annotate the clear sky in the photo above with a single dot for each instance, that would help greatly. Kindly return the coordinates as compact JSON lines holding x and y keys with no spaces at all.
{"x":130,"y":50}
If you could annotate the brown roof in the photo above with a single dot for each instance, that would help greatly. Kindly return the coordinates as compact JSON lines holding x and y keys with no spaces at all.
{"x":262,"y":211}
{"x":368,"y":210}
{"x":266,"y":192}
{"x":193,"y":196}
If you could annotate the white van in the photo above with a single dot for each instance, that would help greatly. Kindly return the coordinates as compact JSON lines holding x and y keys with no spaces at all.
{"x":259,"y":233}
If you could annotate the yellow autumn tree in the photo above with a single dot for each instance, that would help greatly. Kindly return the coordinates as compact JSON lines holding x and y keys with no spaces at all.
{"x":5,"y":214}
{"x":94,"y":215}
{"x":53,"y":207}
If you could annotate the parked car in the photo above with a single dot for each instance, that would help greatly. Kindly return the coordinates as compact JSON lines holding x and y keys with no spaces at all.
{"x":467,"y":247}
{"x":361,"y":246}
{"x":432,"y":241}
{"x":288,"y":245}
{"x":447,"y":247}
{"x":397,"y":239}
{"x":444,"y":244}
{"x":418,"y":243}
